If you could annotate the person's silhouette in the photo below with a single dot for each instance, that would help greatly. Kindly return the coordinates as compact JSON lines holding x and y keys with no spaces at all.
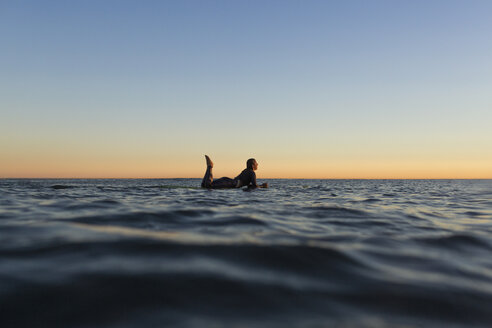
{"x":246,"y":178}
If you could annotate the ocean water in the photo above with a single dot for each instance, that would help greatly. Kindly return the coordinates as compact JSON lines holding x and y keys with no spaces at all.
{"x":303,"y":253}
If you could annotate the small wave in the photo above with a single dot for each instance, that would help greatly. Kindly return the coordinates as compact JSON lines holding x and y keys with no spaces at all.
{"x":173,"y":187}
{"x":475,"y":214}
{"x":62,"y":187}
{"x":234,"y":220}
{"x":433,"y":214}
{"x":170,"y":219}
{"x":371,"y":200}
{"x":106,"y":201}
{"x":94,"y":205}
{"x":456,"y":242}
{"x":209,"y":202}
{"x":334,"y":211}
{"x":143,"y":219}
{"x":359,"y":224}
{"x":415,"y":216}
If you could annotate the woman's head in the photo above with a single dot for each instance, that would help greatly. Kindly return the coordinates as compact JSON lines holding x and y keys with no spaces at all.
{"x":252,"y":164}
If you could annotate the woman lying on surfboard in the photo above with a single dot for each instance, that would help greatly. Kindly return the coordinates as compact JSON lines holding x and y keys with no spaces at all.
{"x":247,"y":178}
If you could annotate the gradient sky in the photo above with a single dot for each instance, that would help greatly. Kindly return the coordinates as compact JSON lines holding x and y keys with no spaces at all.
{"x":311,"y":89}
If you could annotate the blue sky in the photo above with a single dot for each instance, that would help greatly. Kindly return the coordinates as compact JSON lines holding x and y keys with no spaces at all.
{"x":325,"y":85}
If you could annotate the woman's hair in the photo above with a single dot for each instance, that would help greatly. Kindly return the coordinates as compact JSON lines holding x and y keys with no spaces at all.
{"x":249,"y":163}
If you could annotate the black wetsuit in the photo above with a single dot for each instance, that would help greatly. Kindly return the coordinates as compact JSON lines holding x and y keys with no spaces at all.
{"x":246,"y":178}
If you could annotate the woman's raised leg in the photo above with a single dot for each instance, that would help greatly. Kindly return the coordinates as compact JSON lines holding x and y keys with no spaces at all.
{"x":208,"y":177}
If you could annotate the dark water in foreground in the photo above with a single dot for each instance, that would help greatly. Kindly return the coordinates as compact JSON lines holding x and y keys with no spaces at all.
{"x":304,"y":253}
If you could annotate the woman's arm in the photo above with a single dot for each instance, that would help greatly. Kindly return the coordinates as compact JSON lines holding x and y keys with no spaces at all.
{"x":254,"y":184}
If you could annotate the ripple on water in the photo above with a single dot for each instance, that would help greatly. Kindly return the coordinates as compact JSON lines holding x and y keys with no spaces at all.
{"x":478,"y":214}
{"x":62,"y":187}
{"x":232,"y":220}
{"x":371,"y":200}
{"x":457,"y":241}
{"x":145,"y":217}
{"x":333,"y":212}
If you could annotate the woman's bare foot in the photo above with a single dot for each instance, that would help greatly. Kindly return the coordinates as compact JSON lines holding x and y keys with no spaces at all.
{"x":209,"y":161}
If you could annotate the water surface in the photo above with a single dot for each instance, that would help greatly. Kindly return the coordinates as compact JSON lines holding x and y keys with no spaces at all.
{"x":313,"y":253}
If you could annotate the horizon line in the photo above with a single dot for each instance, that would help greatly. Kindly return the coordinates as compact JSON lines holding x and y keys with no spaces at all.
{"x":160,"y":178}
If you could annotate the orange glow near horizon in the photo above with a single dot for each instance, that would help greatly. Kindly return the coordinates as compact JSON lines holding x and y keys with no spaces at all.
{"x":161,"y":168}
{"x":99,"y":158}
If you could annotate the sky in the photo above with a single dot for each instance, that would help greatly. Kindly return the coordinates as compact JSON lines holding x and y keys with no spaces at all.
{"x":311,"y":89}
